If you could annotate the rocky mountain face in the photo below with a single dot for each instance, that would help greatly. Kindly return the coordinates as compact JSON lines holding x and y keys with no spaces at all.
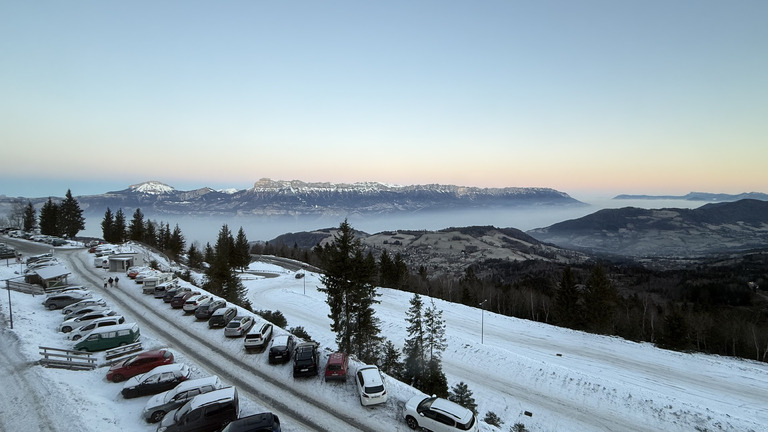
{"x":719,"y":228}
{"x":295,"y":198}
{"x":449,"y":251}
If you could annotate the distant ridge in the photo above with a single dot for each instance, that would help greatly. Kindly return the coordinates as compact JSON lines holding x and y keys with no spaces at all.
{"x":270,"y":197}
{"x":698,"y":196}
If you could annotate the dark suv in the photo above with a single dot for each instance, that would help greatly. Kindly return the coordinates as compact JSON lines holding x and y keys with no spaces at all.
{"x":222,"y":317}
{"x":264,"y":422}
{"x":205,"y":311}
{"x":305,"y":360}
{"x":206,"y":412}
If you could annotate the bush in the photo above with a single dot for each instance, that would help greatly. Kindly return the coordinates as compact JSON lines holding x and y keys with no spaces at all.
{"x":277,"y":318}
{"x":518,"y":427}
{"x":301,"y":333}
{"x":492,"y":419}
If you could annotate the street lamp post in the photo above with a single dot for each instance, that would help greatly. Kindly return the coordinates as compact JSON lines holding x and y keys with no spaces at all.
{"x":482,"y":320}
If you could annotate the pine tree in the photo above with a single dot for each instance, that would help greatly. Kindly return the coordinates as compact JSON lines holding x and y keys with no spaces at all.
{"x":567,"y":308}
{"x":194,"y":257}
{"x":30,"y":217}
{"x":462,"y":395}
{"x":241,"y":251}
{"x":176,"y":243}
{"x":348,"y":285}
{"x":119,"y":230}
{"x":208,"y":254}
{"x":434,"y":337}
{"x":414,"y":363}
{"x":390,"y":361}
{"x":599,"y":302}
{"x":108,"y":226}
{"x":71,"y":220}
{"x":434,"y":381}
{"x":150,"y":233}
{"x":136,"y":227}
{"x":49,"y":218}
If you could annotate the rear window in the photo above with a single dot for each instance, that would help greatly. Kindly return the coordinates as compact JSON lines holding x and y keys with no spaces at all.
{"x":334,"y":367}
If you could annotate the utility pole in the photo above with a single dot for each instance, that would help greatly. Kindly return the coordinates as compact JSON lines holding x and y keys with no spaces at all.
{"x":482,"y":320}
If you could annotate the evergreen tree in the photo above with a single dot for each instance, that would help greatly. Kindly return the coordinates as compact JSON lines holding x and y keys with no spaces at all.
{"x":241,"y":251}
{"x":119,"y":230}
{"x":387,"y":271}
{"x":208,"y":253}
{"x":150,"y":233}
{"x":194,"y":257}
{"x":71,"y":220}
{"x":600,"y":302}
{"x":390,"y":361}
{"x":462,"y":395}
{"x":567,"y":308}
{"x":674,"y":331}
{"x":434,"y":337}
{"x":136,"y":227}
{"x":414,"y":363}
{"x":434,"y":381}
{"x":176,"y":243}
{"x":221,"y":278}
{"x":108,"y":226}
{"x":348,"y":285}
{"x":49,"y":218}
{"x":401,"y":270}
{"x":30,"y":217}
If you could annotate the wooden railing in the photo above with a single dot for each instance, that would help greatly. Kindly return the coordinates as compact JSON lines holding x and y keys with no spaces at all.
{"x":67,"y":359}
{"x":114,"y":354}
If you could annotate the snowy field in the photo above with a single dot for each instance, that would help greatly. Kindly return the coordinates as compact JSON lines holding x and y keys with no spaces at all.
{"x":547,"y":378}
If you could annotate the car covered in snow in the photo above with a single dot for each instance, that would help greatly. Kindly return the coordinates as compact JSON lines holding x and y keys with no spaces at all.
{"x":158,"y":380}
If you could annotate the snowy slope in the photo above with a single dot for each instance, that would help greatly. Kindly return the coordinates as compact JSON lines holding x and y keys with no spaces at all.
{"x":565,"y":380}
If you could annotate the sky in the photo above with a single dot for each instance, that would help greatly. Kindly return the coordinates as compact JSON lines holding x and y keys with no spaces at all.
{"x":651,"y":97}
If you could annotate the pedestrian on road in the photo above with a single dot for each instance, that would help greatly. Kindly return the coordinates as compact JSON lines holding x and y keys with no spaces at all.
{"x":116,"y":279}
{"x":105,"y":284}
{"x":110,"y":281}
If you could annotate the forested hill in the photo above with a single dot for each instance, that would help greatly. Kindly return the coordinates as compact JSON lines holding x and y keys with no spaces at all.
{"x":713,"y":228}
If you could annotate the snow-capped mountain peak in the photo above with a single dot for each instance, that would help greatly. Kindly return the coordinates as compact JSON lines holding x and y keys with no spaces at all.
{"x":152,"y":188}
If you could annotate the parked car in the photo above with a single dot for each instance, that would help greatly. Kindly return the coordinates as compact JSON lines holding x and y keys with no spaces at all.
{"x":263,"y":422}
{"x":204,"y":312}
{"x":83,"y":310}
{"x":161,"y":289}
{"x":222,"y":317}
{"x":370,"y":385}
{"x":83,"y":303}
{"x":60,"y":300}
{"x":177,"y":302}
{"x":305,"y":360}
{"x":438,"y":415}
{"x":238,"y":326}
{"x":281,"y":349}
{"x":139,"y":278}
{"x":162,"y":403}
{"x":173,"y":292}
{"x":73,"y":323}
{"x":101,"y":339}
{"x":158,"y":380}
{"x":97,"y":323}
{"x":139,"y":364}
{"x":258,"y":337}
{"x":134,"y":271}
{"x":336,"y":368}
{"x":205,"y":412}
{"x":194,"y":302}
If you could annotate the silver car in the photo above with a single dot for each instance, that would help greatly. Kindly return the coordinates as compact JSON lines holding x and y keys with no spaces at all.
{"x":160,"y":404}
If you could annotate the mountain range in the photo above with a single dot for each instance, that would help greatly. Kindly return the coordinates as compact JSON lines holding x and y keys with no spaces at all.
{"x":698,"y":196}
{"x":295,"y":198}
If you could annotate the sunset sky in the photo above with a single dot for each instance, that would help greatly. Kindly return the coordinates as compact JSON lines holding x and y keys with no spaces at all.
{"x":654,"y":97}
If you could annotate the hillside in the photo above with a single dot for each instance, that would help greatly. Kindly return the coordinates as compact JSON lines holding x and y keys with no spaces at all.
{"x":668,"y":232}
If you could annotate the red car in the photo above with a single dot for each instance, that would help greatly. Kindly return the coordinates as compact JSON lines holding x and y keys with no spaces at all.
{"x":139,"y":364}
{"x":336,"y":369}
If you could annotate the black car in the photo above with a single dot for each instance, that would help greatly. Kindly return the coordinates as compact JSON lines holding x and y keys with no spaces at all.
{"x":264,"y":422}
{"x":305,"y":360}
{"x":222,"y":317}
{"x":282,"y":346}
{"x":205,"y":311}
{"x":173,"y":292}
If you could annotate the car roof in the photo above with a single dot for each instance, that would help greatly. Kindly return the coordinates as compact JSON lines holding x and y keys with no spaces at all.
{"x":224,"y":394}
{"x":248,"y":423}
{"x":195,"y":383}
{"x":115,"y":328}
{"x":452,"y":409}
{"x":173,"y":367}
{"x":222,"y":311}
{"x":337,"y":357}
{"x":371,"y":374}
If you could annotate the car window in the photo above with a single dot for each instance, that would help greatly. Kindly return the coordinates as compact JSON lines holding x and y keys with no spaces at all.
{"x":360,"y":378}
{"x":167,"y":377}
{"x":193,"y":393}
{"x":444,"y":419}
{"x":180,"y":396}
{"x":152,"y":380}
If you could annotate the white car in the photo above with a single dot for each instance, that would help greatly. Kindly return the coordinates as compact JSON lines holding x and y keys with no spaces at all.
{"x":370,"y":386}
{"x":194,"y":302}
{"x":73,"y":323}
{"x":438,"y":415}
{"x":81,"y":331}
{"x":157,"y":406}
{"x":83,"y":303}
{"x":258,"y":337}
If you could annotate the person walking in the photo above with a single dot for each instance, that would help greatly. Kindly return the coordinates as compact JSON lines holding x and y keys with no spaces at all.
{"x":116,"y":279}
{"x":110,"y":281}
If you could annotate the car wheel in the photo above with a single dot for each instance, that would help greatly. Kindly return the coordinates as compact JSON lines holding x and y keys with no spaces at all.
{"x":157,"y":416}
{"x":66,"y":329}
{"x":411,"y":422}
{"x":83,"y":349}
{"x":52,"y":307}
{"x":117,"y":378}
{"x":75,"y":337}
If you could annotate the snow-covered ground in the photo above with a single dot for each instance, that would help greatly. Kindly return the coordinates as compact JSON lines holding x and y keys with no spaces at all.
{"x":548,"y":378}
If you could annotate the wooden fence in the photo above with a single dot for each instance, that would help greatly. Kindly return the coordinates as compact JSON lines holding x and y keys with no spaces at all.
{"x":24,"y":287}
{"x":115,"y":354}
{"x":67,"y":359}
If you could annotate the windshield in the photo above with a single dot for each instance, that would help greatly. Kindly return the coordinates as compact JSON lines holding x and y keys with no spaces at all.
{"x":183,"y":410}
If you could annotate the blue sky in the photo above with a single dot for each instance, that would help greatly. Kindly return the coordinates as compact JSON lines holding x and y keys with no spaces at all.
{"x":581,"y":96}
